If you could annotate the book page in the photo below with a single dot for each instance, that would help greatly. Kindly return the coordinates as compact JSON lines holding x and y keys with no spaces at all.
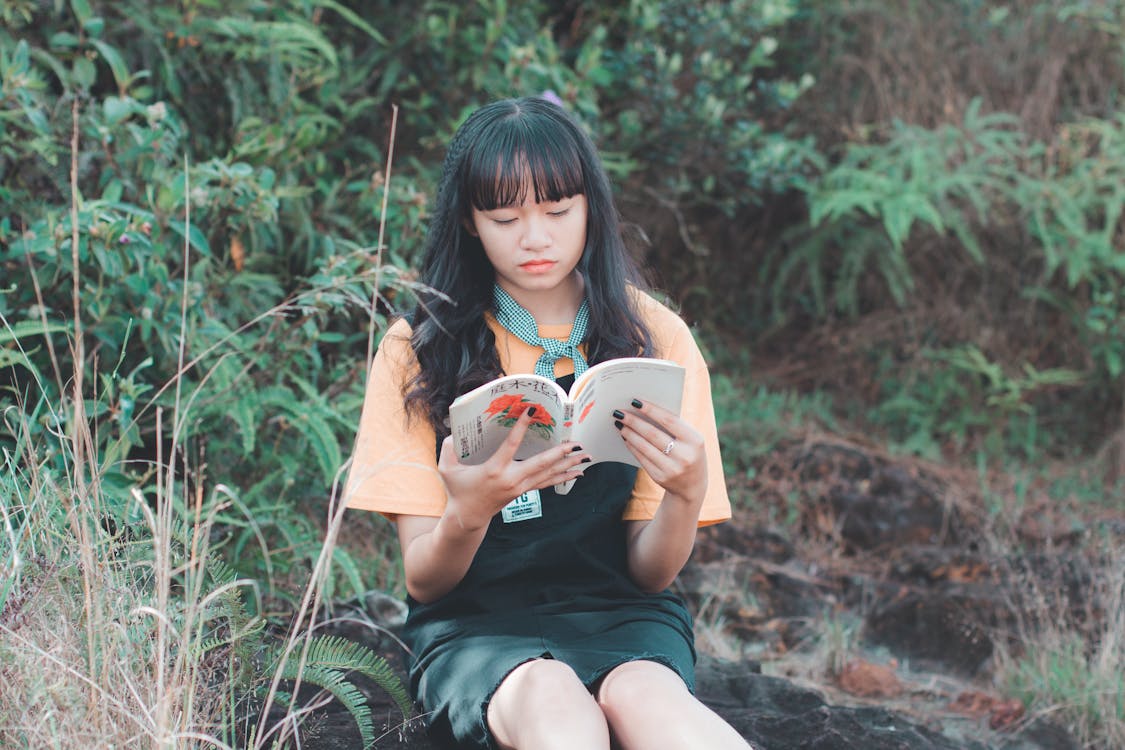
{"x":481,"y":419}
{"x":613,"y":385}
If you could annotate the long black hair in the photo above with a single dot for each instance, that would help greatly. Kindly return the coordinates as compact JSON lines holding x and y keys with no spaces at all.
{"x":497,"y":154}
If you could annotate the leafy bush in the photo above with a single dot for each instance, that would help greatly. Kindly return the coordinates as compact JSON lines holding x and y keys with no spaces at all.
{"x":1020,"y":233}
{"x":692,"y":107}
{"x":224,"y":181}
{"x":863,"y":209}
{"x":267,"y":123}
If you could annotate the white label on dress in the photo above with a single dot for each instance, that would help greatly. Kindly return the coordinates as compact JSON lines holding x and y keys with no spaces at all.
{"x":523,"y":508}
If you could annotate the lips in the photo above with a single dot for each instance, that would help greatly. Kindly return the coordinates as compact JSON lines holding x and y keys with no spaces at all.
{"x":538,"y":266}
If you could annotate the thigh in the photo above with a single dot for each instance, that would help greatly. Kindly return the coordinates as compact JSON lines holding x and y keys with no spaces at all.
{"x":537,"y":698}
{"x":648,"y":706}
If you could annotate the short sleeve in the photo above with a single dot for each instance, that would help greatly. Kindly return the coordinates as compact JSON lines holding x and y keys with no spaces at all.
{"x":394,"y":464}
{"x":674,"y":341}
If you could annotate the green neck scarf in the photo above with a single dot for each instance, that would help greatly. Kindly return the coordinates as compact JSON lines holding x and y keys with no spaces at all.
{"x":521,"y":324}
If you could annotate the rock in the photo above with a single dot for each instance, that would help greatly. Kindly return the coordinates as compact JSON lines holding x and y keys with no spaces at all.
{"x":869,"y":503}
{"x":934,"y":630}
{"x":1040,"y":734}
{"x":775,"y":714}
{"x":723,"y":540}
{"x":389,"y":610}
{"x":754,"y":600}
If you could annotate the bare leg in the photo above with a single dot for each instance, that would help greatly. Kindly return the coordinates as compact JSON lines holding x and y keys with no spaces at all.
{"x":543,"y":705}
{"x":649,"y":708}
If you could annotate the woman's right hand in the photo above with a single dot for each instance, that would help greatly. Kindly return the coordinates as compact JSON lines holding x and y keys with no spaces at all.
{"x":437,"y":552}
{"x":476,"y":493}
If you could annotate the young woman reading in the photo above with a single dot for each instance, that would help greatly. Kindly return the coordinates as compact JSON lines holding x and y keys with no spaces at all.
{"x":556,"y":628}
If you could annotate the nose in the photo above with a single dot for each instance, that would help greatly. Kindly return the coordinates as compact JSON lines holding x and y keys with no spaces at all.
{"x":536,"y":234}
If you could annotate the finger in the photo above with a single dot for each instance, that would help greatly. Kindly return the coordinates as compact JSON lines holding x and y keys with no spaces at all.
{"x":566,"y":453}
{"x":656,"y":434}
{"x":651,"y":444}
{"x":448,"y":455}
{"x":557,"y":476}
{"x":655,"y":413}
{"x":559,"y":461}
{"x":644,"y":446}
{"x":507,"y":450}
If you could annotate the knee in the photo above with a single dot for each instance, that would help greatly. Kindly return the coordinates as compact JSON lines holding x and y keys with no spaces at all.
{"x":545,"y":680}
{"x":639,"y":683}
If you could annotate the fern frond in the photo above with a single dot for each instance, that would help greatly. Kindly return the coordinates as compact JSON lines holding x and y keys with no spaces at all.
{"x":335,"y":681}
{"x":340,"y":653}
{"x":330,"y":661}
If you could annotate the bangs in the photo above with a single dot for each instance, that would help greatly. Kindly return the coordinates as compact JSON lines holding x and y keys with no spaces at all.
{"x":524,"y":152}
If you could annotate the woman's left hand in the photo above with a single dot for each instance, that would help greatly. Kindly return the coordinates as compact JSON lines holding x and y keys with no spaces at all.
{"x":668,"y":448}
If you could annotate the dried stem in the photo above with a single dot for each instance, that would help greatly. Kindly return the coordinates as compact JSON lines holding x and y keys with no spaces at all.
{"x":379,"y":244}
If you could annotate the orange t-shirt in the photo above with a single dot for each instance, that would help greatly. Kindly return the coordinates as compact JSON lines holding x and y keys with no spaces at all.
{"x":394,"y":468}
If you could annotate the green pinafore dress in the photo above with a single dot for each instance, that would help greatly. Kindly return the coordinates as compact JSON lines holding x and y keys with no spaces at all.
{"x":554,"y":586}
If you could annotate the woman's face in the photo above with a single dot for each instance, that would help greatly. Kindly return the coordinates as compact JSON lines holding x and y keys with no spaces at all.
{"x":534,"y":247}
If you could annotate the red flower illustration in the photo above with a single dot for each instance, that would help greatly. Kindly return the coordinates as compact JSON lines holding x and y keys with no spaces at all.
{"x":507,"y":409}
{"x":503,"y":403}
{"x":541,"y":415}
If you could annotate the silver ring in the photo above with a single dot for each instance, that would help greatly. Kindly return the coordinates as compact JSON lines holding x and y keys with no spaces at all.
{"x":668,"y":448}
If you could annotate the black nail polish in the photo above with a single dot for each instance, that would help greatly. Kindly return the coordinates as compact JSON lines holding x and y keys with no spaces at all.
{"x":576,"y":448}
{"x":618,"y":414}
{"x":531,"y":411}
{"x":618,"y":424}
{"x":636,"y":403}
{"x":585,"y":460}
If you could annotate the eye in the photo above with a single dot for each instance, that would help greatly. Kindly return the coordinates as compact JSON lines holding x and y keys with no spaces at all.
{"x":560,"y":212}
{"x":503,"y":222}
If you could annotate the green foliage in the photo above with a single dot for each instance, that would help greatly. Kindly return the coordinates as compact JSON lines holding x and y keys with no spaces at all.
{"x":865,"y":208}
{"x":984,"y":197}
{"x":754,"y":420}
{"x":1075,"y":212}
{"x":466,"y":54}
{"x":230,"y":248}
{"x":963,"y":396}
{"x":972,"y":184}
{"x":687,"y":91}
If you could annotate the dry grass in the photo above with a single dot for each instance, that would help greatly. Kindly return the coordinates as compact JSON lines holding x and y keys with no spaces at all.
{"x":123,"y":634}
{"x":1065,"y":654}
{"x":82,"y":638}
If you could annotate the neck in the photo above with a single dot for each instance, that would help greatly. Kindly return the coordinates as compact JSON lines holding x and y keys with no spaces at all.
{"x":556,"y":306}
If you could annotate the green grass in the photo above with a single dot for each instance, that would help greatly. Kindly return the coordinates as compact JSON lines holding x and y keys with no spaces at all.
{"x":1073,"y":671}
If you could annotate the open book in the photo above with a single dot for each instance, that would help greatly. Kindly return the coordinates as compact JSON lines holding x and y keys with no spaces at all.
{"x":481,"y":418}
